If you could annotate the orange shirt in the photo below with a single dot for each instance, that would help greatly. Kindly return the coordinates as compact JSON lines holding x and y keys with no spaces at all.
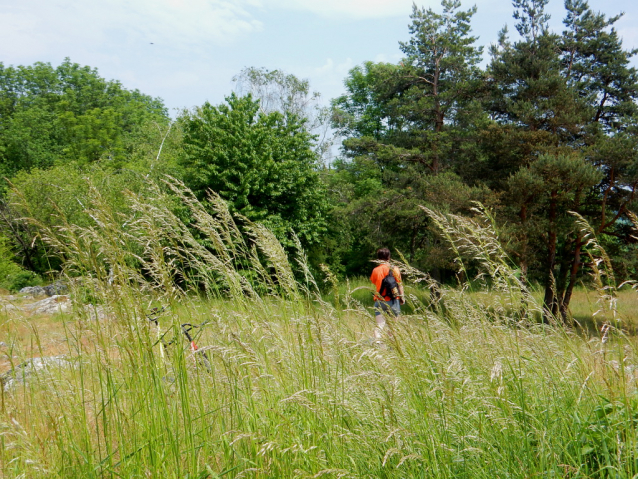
{"x":381,"y":272}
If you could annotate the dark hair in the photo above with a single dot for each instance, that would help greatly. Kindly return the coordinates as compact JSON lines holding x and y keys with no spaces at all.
{"x":383,"y":254}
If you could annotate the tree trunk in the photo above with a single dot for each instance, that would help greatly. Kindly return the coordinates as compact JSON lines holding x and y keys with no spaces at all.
{"x":566,"y":295}
{"x":564,"y":307}
{"x":438,"y":115}
{"x":564,"y":268}
{"x":523,"y":263}
{"x":550,"y":303}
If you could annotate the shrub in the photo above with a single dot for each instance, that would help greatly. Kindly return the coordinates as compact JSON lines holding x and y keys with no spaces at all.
{"x":12,"y":276}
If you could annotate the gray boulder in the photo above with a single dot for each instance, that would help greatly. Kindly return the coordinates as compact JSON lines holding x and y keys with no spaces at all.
{"x":56,"y":288}
{"x":6,"y":308}
{"x":52,"y":305}
{"x":21,"y":373}
{"x":34,"y":291}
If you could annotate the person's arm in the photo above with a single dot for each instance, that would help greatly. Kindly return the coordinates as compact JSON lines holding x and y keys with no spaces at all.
{"x":373,"y":280}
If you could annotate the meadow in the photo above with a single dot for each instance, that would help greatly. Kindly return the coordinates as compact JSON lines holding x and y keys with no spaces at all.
{"x":469,"y":385}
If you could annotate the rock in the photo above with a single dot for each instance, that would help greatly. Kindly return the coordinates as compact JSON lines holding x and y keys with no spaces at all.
{"x":34,"y":291}
{"x":53,"y":289}
{"x":3,"y":344}
{"x":56,"y":288}
{"x":61,"y":304}
{"x":8,"y":307}
{"x":52,"y":305}
{"x":96,"y":313}
{"x":22,"y":372}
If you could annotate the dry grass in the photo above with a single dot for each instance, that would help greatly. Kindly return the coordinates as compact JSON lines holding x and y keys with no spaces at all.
{"x":584,"y":308}
{"x":31,"y":335}
{"x":298,"y":388}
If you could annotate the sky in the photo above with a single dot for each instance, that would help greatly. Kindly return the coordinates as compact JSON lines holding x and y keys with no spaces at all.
{"x":187,"y":51}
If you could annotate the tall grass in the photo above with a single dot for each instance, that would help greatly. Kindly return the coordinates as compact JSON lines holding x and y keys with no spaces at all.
{"x":298,"y":388}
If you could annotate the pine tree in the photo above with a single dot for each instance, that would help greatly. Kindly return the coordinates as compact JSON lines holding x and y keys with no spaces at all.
{"x":535,"y":105}
{"x":414,"y":120}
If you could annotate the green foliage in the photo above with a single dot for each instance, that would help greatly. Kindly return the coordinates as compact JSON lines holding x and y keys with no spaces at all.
{"x":548,"y":127}
{"x":559,"y":141}
{"x":531,"y":16}
{"x":378,"y":207}
{"x":61,"y":196}
{"x":409,"y":136}
{"x":607,"y":432}
{"x":65,"y":190}
{"x":293,"y":98}
{"x":12,"y":276}
{"x":7,"y":267}
{"x":156,"y":151}
{"x":68,"y":114}
{"x":21,"y":279}
{"x":262,"y":164}
{"x":413,"y":115}
{"x":597,"y":64}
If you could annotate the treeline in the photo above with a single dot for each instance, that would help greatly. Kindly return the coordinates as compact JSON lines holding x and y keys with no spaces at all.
{"x":545,"y":129}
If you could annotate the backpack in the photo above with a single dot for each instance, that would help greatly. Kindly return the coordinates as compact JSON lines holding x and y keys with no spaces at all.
{"x":389,"y":286}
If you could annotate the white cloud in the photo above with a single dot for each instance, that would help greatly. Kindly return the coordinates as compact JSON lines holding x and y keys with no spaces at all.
{"x":364,"y":9}
{"x":37,"y":27}
{"x":349,"y":8}
{"x":628,"y":32}
{"x":328,"y":78}
{"x":330,"y":68}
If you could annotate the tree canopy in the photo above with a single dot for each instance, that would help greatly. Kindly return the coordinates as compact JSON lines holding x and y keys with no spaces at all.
{"x":542,"y":134}
{"x":261,"y":163}
{"x":547,"y":128}
{"x":51,"y":115}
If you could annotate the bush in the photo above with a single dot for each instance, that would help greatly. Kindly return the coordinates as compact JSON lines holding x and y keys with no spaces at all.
{"x":21,"y":279}
{"x":64,"y":195}
{"x":12,"y":276}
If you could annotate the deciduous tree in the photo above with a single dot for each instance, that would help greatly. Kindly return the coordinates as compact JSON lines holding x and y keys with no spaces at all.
{"x":262,"y":164}
{"x":68,"y":114}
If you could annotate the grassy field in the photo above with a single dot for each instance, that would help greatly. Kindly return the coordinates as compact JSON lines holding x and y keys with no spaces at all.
{"x":585,"y":307}
{"x":469,"y":386}
{"x":299,"y":389}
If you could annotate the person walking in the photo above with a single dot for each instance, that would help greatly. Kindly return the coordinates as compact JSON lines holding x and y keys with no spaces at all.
{"x":389,"y":295}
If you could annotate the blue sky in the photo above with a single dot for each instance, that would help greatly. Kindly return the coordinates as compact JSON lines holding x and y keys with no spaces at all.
{"x":199,"y":45}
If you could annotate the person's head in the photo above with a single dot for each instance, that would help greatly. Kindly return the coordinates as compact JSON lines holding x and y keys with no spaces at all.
{"x":383,"y":254}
